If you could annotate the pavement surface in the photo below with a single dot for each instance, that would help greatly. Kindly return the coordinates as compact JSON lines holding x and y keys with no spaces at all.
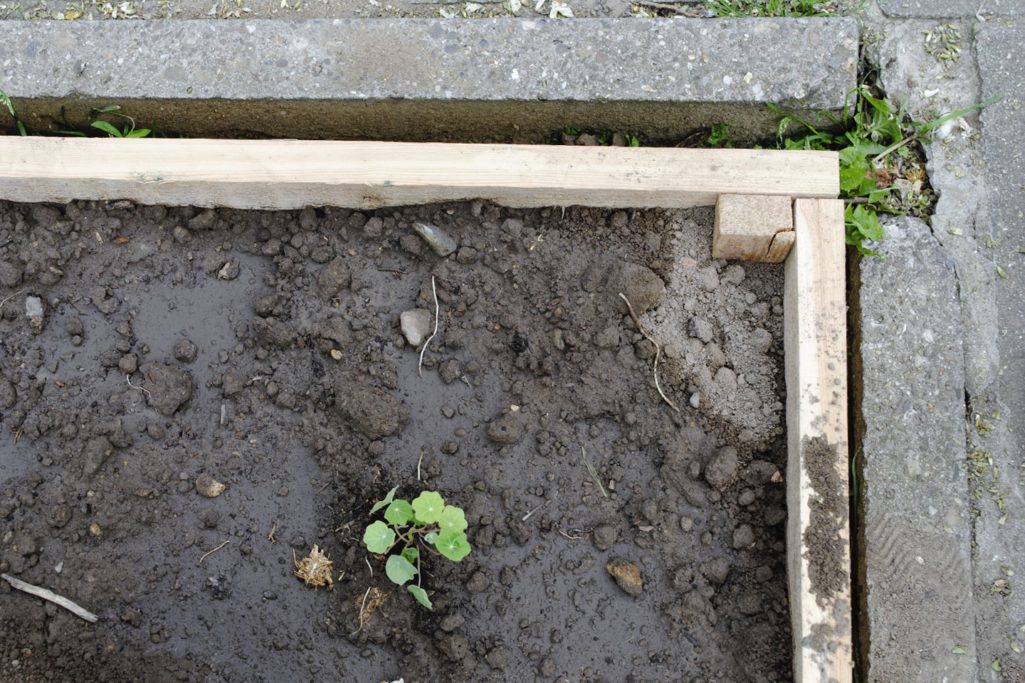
{"x":941,"y":362}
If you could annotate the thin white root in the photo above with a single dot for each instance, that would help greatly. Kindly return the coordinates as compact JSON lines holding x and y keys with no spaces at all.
{"x":49,"y":595}
{"x":658,"y":352}
{"x":418,"y":464}
{"x":362,"y":608}
{"x":437,"y":310}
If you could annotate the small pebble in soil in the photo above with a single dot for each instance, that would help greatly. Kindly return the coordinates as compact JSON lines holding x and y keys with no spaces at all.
{"x":415,"y":325}
{"x":437,"y":239}
{"x":208,"y":486}
{"x":627,"y":576}
{"x":229,"y":271}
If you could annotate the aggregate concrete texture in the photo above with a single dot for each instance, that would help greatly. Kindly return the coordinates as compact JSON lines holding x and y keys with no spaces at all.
{"x":938,"y":9}
{"x":969,"y":449}
{"x":914,"y":509}
{"x":415,"y":79}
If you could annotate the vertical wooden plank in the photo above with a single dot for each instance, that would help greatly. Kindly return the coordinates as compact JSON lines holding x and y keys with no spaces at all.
{"x":818,"y":525}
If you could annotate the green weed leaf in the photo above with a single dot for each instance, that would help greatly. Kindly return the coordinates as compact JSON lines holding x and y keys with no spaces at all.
{"x":452,"y":518}
{"x":139,"y":133}
{"x":411,"y":555}
{"x":378,"y":537}
{"x":452,"y":544}
{"x":428,"y":506}
{"x":431,"y":537}
{"x":399,"y":512}
{"x":862,"y":225}
{"x":107,"y":128}
{"x":399,"y":569}
{"x":384,"y":502}
{"x":421,"y":596}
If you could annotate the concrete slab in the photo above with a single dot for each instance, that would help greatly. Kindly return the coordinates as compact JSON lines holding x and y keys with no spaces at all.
{"x":937,"y":9}
{"x":914,"y":515}
{"x":999,"y":434}
{"x":414,"y":79}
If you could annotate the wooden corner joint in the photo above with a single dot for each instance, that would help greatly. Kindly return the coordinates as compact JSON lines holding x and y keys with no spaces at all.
{"x":753,"y":227}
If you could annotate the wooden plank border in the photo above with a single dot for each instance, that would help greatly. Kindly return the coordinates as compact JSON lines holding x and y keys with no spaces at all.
{"x":291,"y":174}
{"x":280,"y":174}
{"x":818,"y":524}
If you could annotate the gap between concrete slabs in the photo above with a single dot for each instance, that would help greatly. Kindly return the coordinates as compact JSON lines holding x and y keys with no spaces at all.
{"x":425,"y":79}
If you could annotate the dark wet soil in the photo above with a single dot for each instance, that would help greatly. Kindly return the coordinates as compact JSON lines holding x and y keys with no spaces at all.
{"x":263,"y":351}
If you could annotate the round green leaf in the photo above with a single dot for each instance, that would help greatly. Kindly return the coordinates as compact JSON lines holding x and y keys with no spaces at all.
{"x":421,"y":596}
{"x":452,"y":544}
{"x":399,"y":512}
{"x":431,"y":537}
{"x":411,"y":555}
{"x":378,"y":537}
{"x":399,"y":570}
{"x":428,"y":506}
{"x":452,"y":518}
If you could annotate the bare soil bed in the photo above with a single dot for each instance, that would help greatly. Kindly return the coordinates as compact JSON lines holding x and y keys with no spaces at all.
{"x":264,"y":350}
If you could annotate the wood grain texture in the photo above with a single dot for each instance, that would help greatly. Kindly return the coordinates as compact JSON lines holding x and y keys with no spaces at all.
{"x":290,"y":174}
{"x":746,"y":227}
{"x":818,"y":533}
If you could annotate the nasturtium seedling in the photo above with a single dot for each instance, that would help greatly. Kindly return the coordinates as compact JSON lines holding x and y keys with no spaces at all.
{"x":379,"y":537}
{"x":427,"y":525}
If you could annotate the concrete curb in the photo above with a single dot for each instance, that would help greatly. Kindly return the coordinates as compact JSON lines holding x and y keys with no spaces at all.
{"x":421,"y":79}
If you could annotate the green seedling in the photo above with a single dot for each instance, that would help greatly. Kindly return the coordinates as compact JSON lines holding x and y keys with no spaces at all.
{"x":410,"y":529}
{"x":719,"y":136}
{"x":877,"y":146}
{"x":5,"y":102}
{"x":127,"y":129}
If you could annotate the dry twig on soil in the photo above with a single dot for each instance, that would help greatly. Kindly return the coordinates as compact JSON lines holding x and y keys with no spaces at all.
{"x":50,"y":596}
{"x":658,"y":351}
{"x":211,"y":552}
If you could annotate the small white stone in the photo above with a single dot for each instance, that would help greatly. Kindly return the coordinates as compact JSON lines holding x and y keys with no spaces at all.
{"x":416,"y":325}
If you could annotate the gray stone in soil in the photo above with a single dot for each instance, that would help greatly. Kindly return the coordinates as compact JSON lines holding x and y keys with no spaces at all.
{"x":415,"y":325}
{"x":168,"y":387}
{"x":373,"y":412}
{"x":440,"y":242}
{"x":506,"y":79}
{"x":915,"y":515}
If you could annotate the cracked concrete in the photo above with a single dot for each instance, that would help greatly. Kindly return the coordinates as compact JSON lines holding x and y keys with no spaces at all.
{"x":969,"y":624}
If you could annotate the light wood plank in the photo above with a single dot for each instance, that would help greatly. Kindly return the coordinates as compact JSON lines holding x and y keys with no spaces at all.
{"x":289,"y":174}
{"x":818,"y":533}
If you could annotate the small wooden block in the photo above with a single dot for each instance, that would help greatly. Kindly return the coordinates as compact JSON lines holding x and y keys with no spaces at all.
{"x":748,"y":227}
